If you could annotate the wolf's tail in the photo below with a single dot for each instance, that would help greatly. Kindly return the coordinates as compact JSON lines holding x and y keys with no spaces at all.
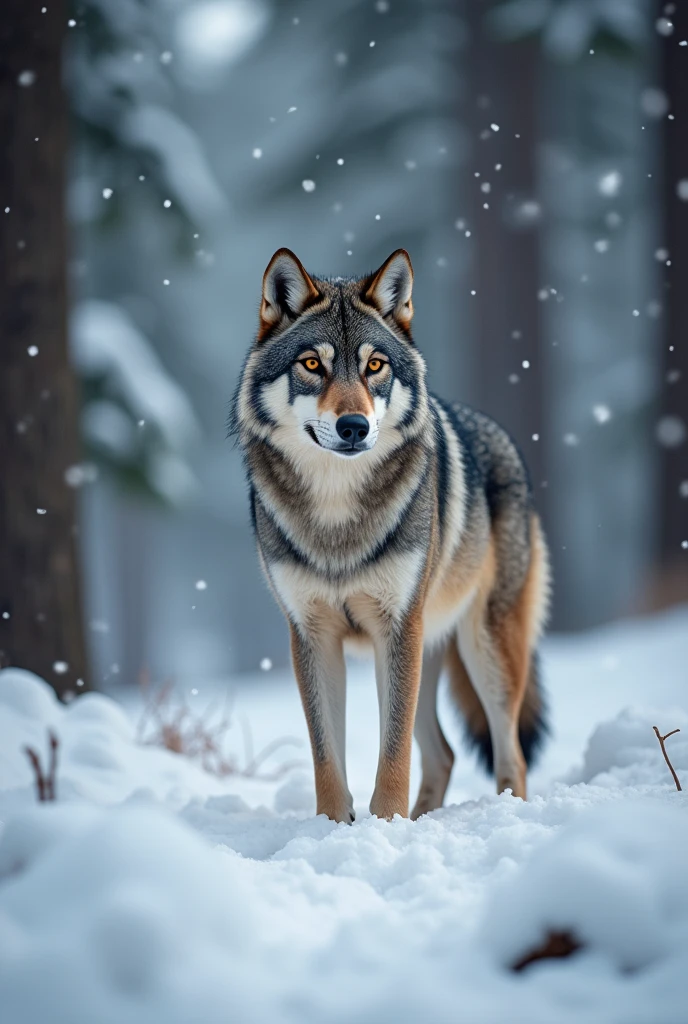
{"x":532,"y":723}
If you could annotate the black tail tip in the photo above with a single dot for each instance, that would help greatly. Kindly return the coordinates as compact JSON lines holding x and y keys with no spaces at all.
{"x":531,"y":737}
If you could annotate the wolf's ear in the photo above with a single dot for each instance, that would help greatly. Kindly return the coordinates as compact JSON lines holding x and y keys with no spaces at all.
{"x":287,"y":289}
{"x":389,"y":290}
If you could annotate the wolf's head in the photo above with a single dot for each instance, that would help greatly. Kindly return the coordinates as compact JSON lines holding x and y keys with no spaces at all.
{"x":333,"y":372}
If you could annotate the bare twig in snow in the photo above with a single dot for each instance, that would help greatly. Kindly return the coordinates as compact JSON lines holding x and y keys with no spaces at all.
{"x":556,"y":946}
{"x":45,"y":781}
{"x":666,"y":756}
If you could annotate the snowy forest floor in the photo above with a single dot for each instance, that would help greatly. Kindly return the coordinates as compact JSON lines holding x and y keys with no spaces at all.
{"x":153,"y":892}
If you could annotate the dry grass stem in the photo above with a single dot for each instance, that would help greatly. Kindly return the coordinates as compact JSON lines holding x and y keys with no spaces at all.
{"x":168,"y":721}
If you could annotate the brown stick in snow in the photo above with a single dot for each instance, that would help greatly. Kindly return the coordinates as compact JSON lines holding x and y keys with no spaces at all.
{"x":666,"y":756}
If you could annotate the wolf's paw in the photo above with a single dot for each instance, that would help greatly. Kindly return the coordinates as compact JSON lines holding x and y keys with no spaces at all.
{"x":516,"y":785}
{"x":386,"y":805}
{"x":340,"y":814}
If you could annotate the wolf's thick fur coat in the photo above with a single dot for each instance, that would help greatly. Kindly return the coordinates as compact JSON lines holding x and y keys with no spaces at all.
{"x":387,"y":517}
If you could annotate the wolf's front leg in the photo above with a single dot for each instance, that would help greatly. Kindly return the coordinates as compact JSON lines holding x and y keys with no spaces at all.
{"x":398,"y":661}
{"x":320,"y":672}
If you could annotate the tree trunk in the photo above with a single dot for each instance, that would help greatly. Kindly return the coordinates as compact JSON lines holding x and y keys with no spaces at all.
{"x":672,"y":584}
{"x":40,"y":609}
{"x":509,"y":353}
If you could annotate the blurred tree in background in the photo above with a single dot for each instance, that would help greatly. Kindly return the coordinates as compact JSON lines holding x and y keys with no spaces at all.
{"x":40,"y":602}
{"x":672,"y":533}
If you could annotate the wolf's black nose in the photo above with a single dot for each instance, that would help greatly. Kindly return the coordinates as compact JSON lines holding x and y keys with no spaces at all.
{"x":353,"y":428}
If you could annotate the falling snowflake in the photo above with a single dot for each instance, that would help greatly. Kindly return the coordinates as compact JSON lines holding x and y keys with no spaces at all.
{"x":107,"y":193}
{"x":201,"y":585}
{"x":654,"y":102}
{"x":682,"y":189}
{"x":32,"y":350}
{"x":265,"y":664}
{"x":308,"y":185}
{"x":610,"y":183}
{"x":671,"y":431}
{"x":60,"y":667}
{"x":26,"y":78}
{"x":257,"y":153}
{"x":41,"y":511}
{"x":602,"y":413}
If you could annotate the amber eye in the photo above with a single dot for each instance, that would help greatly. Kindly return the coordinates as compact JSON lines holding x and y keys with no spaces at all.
{"x":374,"y":365}
{"x":312,"y":364}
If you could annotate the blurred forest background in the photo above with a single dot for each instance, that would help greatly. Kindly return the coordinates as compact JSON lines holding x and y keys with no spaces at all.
{"x":531,"y":155}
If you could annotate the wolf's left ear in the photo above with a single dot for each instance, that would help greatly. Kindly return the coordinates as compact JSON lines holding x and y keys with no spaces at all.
{"x":287,"y":290}
{"x":389,"y":290}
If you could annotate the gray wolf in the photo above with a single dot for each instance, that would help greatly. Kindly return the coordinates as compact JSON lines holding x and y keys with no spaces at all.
{"x":385,"y":517}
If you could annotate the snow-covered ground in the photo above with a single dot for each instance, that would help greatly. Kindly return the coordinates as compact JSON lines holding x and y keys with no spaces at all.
{"x":155,"y":893}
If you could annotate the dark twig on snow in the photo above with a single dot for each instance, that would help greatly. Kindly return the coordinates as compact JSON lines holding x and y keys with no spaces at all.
{"x":556,"y":946}
{"x":666,"y":756}
{"x":45,"y":781}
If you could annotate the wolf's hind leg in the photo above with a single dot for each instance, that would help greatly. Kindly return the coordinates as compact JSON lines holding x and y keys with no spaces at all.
{"x":436,"y":754}
{"x":497,"y":657}
{"x":320,"y":671}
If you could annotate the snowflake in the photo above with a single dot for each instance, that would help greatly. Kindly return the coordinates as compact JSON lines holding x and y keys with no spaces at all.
{"x":610,"y":183}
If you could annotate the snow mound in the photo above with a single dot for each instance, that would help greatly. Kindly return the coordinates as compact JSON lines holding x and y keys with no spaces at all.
{"x":614,"y":878}
{"x":626,"y":750}
{"x":98,"y":757}
{"x":28,"y":695}
{"x":125,"y":911}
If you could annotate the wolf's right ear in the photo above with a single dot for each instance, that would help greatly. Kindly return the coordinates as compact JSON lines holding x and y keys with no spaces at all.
{"x":287,"y":290}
